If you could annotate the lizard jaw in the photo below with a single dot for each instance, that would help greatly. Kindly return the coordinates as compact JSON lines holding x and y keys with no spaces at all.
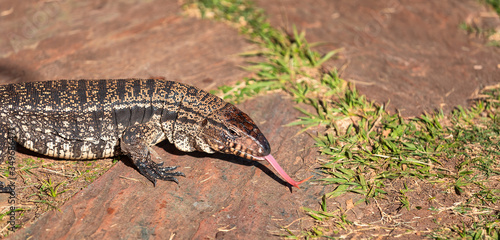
{"x":238,"y":150}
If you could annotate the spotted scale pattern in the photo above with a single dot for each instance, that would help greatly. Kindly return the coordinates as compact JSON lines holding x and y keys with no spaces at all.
{"x":89,"y":119}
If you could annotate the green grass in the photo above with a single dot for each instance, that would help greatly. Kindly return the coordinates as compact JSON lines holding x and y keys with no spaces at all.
{"x":490,"y":34}
{"x":364,"y":148}
{"x":43,"y":184}
{"x":288,"y":59}
{"x":50,"y":188}
{"x":495,"y":4}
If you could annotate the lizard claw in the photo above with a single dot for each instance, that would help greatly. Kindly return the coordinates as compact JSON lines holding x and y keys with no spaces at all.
{"x":155,"y":171}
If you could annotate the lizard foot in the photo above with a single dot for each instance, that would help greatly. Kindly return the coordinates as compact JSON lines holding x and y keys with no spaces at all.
{"x":153,"y":171}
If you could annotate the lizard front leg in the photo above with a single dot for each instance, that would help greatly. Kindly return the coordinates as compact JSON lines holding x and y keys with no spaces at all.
{"x":136,"y":143}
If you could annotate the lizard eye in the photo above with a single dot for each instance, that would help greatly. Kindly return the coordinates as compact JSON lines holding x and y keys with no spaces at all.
{"x":233,"y":132}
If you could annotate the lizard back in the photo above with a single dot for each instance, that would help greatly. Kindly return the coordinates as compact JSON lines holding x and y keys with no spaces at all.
{"x":84,"y":119}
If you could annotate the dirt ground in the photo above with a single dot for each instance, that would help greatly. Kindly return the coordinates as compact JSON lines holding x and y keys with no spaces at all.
{"x":411,"y":53}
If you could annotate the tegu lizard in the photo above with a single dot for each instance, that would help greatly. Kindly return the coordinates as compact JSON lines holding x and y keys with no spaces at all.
{"x":91,"y":119}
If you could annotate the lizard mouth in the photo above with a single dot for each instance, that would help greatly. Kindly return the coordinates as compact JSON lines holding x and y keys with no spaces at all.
{"x":239,"y":150}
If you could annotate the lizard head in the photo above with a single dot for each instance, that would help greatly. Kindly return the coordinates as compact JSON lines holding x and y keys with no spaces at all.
{"x":229,"y":130}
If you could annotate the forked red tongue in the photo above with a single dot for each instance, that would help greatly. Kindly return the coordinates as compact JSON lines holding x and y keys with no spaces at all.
{"x":282,"y":172}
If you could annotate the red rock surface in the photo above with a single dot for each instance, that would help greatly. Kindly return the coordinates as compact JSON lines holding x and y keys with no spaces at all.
{"x":411,"y":53}
{"x":408,"y":52}
{"x":68,"y":39}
